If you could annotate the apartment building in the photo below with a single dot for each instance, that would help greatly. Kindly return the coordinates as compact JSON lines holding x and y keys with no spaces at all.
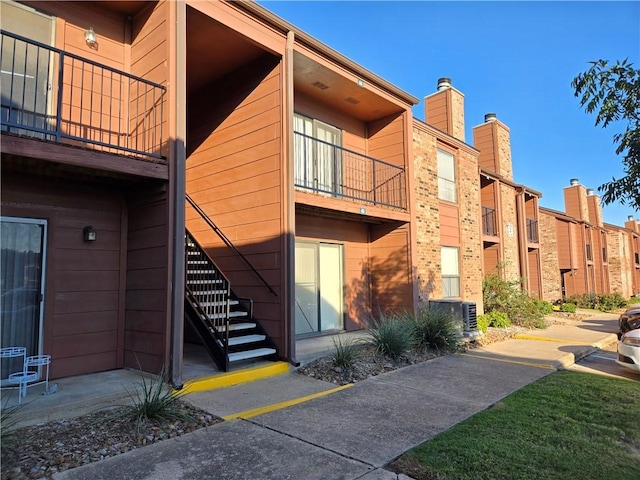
{"x":623,"y":244}
{"x":576,"y":247}
{"x":448,"y":249}
{"x":194,"y":172}
{"x":509,"y":211}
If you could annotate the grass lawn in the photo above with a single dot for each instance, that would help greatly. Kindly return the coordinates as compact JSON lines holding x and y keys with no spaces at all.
{"x":565,"y":426}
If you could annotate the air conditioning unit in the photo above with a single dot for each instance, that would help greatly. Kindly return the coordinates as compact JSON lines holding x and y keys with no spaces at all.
{"x":463,"y":311}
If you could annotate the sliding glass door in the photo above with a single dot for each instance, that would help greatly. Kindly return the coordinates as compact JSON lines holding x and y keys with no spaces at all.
{"x":22,"y":263}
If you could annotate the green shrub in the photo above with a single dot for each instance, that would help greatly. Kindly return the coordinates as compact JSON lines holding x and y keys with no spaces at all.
{"x":483,"y":323}
{"x":633,"y":300}
{"x":498,"y":319}
{"x":606,"y":302}
{"x":392,"y":335}
{"x":583,"y":300}
{"x":507,"y":297}
{"x":434,"y":329}
{"x":568,"y":307}
{"x":545,"y":307}
{"x":345,"y":353}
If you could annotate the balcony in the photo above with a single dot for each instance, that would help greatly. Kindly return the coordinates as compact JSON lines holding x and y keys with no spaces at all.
{"x":589,"y":252}
{"x":489,"y":224}
{"x":328,"y":169}
{"x":53,"y":95}
{"x":532,"y":231}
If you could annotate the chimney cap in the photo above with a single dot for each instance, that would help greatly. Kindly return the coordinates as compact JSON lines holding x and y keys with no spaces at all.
{"x":630,"y":218}
{"x":590,"y":192}
{"x":574,"y":181}
{"x":490,"y":117}
{"x":444,"y":83}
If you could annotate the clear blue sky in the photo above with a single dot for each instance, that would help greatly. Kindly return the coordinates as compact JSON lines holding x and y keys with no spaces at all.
{"x":516,"y":59}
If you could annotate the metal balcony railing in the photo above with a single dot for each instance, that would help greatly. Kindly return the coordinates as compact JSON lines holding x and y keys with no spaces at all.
{"x":326,"y":168}
{"x":55,"y":95}
{"x":489,"y":224}
{"x":532,"y":231}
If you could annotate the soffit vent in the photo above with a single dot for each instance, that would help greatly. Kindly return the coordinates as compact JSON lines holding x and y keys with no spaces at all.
{"x":351,"y":100}
{"x":320,"y":85}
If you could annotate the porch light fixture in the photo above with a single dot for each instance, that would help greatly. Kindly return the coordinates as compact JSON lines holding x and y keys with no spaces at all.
{"x":360,"y":82}
{"x":91,"y":38}
{"x":363,"y":211}
{"x":89,"y":233}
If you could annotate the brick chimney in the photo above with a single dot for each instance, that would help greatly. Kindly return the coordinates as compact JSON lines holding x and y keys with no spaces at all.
{"x":575,"y":201}
{"x":493,"y":139}
{"x":444,"y":109}
{"x":595,"y":208}
{"x":632,"y":224}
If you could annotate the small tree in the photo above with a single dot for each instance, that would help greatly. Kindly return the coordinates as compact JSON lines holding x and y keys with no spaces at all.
{"x":613,"y":92}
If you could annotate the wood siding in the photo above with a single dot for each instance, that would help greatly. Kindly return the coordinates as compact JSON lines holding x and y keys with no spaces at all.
{"x":83,"y":318}
{"x":386,"y":140}
{"x":147,"y":325}
{"x":234,"y":171}
{"x":391,"y":271}
{"x":449,"y":224}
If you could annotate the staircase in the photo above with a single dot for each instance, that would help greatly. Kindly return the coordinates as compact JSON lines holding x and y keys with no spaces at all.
{"x":223,"y":321}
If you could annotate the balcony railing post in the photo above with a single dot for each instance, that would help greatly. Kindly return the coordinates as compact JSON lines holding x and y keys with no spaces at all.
{"x":59,"y":99}
{"x":375,"y":184}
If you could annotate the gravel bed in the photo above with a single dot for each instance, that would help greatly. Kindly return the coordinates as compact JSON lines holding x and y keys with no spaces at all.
{"x":39,"y":451}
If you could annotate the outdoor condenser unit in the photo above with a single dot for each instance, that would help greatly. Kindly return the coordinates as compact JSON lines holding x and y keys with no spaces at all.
{"x":463,"y":311}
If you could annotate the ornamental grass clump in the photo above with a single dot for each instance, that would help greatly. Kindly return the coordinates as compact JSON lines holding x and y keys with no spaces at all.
{"x":345,"y":353}
{"x":436,"y":330}
{"x":392,"y":335}
{"x":153,"y":400}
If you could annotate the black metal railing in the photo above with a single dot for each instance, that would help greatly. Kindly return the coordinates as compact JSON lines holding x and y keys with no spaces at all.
{"x":54,"y":95}
{"x":326,"y":168}
{"x":228,"y":242}
{"x":489,"y":224}
{"x":532,"y":231}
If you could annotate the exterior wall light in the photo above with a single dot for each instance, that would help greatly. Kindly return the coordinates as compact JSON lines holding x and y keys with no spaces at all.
{"x":91,"y":38}
{"x":89,"y":233}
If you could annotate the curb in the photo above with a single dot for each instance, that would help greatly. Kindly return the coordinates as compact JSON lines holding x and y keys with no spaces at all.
{"x":571,"y":358}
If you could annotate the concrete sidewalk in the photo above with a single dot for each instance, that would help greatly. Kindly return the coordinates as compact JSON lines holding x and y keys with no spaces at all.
{"x":353,"y":432}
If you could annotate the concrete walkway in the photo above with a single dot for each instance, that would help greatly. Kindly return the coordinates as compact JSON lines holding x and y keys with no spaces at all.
{"x":350,"y":433}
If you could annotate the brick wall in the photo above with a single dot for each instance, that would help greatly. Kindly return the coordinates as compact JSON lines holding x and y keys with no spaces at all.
{"x":428,"y":243}
{"x":509,"y":235}
{"x":620,"y":273}
{"x":551,"y":286}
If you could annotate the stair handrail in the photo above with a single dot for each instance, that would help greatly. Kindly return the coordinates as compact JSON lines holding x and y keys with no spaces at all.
{"x":228,"y":242}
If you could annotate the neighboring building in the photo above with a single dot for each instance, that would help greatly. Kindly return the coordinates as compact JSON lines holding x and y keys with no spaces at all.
{"x":581,"y":264}
{"x":624,"y":257}
{"x":510,"y":233}
{"x":448,"y":249}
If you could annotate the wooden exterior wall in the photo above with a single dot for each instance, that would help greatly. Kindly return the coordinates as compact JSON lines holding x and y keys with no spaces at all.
{"x":354,"y":236}
{"x":386,"y":140}
{"x":534,"y":274}
{"x":449,"y":224}
{"x":491,"y":259}
{"x":84,"y":298}
{"x":234,"y":172}
{"x":488,"y":195}
{"x":391,"y":271}
{"x":147,"y":330}
{"x":150,"y":33}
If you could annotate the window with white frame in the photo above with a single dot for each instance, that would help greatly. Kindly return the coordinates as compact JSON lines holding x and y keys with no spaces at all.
{"x":450,"y":272}
{"x":317,"y":153}
{"x":446,"y":177}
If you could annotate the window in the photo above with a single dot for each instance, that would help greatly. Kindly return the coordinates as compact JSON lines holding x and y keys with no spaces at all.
{"x":446,"y":176}
{"x":318,"y":157}
{"x":450,"y":272}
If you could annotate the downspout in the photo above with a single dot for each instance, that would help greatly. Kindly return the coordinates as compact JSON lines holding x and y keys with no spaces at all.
{"x":289,"y":203}
{"x":178,"y":84}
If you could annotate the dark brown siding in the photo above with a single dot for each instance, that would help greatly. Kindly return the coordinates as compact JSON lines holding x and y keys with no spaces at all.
{"x":147,"y":325}
{"x":234,"y":174}
{"x":83,"y":319}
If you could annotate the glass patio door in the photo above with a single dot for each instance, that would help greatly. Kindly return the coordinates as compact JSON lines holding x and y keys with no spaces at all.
{"x":22,"y":258}
{"x":319,"y":287}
